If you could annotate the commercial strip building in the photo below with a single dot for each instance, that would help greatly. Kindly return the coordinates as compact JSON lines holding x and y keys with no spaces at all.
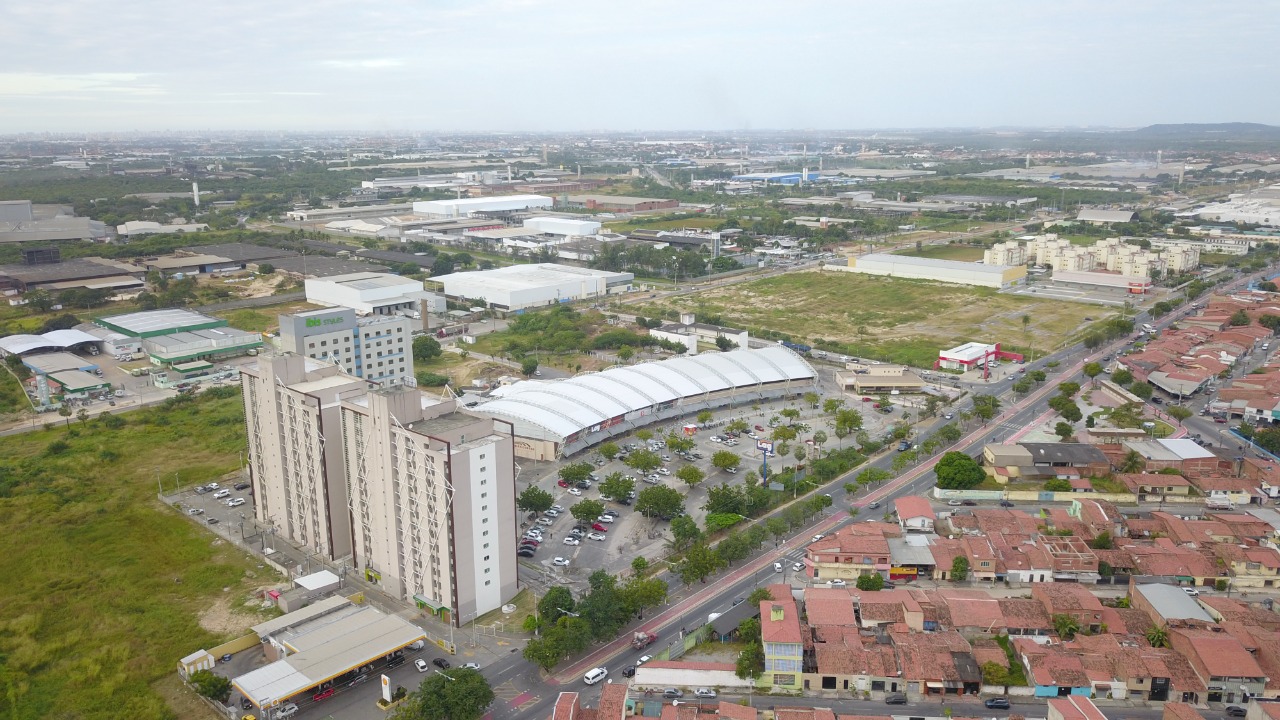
{"x":519,"y":287}
{"x":415,"y":494}
{"x":551,"y":419}
{"x":916,"y":268}
{"x":882,"y":378}
{"x":330,"y":641}
{"x":372,"y":293}
{"x":378,"y":348}
{"x":972,"y":355}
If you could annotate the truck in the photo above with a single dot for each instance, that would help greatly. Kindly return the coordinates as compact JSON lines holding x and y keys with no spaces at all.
{"x":642,"y":640}
{"x":1147,"y":328}
{"x":802,"y":349}
{"x":445,"y":332}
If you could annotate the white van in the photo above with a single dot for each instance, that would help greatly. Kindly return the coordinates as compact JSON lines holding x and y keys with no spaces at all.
{"x":595,"y":675}
{"x":287,"y":711}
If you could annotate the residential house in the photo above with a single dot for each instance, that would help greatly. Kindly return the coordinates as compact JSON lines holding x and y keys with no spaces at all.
{"x":1025,"y":617}
{"x":914,"y":514}
{"x":1044,"y":461}
{"x":1182,"y":455}
{"x":1073,"y":708}
{"x":1221,"y":488}
{"x":1166,"y":604}
{"x":938,"y":663}
{"x":783,"y":644}
{"x":1072,"y":558}
{"x":1070,"y":599}
{"x":853,"y":551}
{"x":1230,"y":673}
{"x":1250,"y":566}
{"x":1051,"y":669}
{"x":1163,"y":557}
{"x":847,"y":661}
{"x":1154,"y":487}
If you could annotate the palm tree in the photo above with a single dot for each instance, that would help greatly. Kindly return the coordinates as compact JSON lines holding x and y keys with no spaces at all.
{"x":1157,"y":636}
{"x":1066,"y":626}
{"x":1133,"y":462}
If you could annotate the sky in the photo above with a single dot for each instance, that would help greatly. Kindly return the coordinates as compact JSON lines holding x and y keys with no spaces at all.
{"x":627,"y":65}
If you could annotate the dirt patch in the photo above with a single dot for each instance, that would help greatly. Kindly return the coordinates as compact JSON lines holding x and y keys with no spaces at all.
{"x":181,"y":699}
{"x":232,"y":614}
{"x":715,"y":652}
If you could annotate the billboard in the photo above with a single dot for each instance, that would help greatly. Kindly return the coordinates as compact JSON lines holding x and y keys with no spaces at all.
{"x":764,"y":445}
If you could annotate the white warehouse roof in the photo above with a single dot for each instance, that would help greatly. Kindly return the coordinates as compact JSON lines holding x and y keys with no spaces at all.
{"x":466,"y":206}
{"x":65,"y":339}
{"x":566,"y":407}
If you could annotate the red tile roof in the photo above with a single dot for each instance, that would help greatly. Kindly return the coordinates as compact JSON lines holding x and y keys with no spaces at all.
{"x":1076,"y":707}
{"x":785,"y":629}
{"x":913,"y":506}
{"x":613,"y":702}
{"x":567,"y":707}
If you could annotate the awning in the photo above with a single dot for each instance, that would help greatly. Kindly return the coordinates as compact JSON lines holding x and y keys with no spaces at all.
{"x":934,"y":685}
{"x":435,"y":606}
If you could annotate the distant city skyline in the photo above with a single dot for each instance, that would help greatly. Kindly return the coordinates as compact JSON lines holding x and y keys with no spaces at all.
{"x":646,"y":65}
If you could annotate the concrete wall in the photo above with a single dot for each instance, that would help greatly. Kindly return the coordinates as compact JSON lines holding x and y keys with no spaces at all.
{"x":659,"y":678}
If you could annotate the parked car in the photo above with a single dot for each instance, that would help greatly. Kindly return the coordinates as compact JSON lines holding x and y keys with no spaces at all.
{"x":1235,"y":711}
{"x":599,"y":528}
{"x":873,"y":505}
{"x":242,"y":486}
{"x":704,"y":693}
{"x":546,"y":521}
{"x":817,"y":537}
{"x":195,"y":511}
{"x":671,"y":693}
{"x":575,"y":492}
{"x":1005,"y":503}
{"x":441,"y":663}
{"x":560,"y":562}
{"x":606,"y":519}
{"x":797,"y":567}
{"x":221,"y":494}
{"x":954,"y":503}
{"x":595,"y":536}
{"x":572,"y":541}
{"x":997,"y":703}
{"x":562,"y":483}
{"x":629,"y":671}
{"x":235,"y":502}
{"x":525,"y":552}
{"x":837,"y":582}
{"x":421,"y":665}
{"x":1191,"y":591}
{"x":895,"y":699}
{"x":322,"y":695}
{"x":471,"y":666}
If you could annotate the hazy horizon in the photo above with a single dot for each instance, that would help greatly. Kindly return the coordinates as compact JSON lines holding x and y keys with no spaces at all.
{"x":651,"y":66}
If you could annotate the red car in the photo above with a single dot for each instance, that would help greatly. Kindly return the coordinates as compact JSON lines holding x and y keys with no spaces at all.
{"x":866,"y":399}
{"x":563,"y":483}
{"x":1221,"y":421}
{"x":599,"y":528}
{"x":759,"y":428}
{"x":876,"y":406}
{"x":322,"y":695}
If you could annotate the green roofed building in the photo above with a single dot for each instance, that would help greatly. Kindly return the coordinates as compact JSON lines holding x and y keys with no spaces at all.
{"x":175,"y":335}
{"x":151,"y":323}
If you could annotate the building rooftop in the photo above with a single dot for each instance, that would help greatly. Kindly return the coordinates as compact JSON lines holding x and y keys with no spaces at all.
{"x":1172,"y":603}
{"x":152,"y":322}
{"x":1072,"y":453}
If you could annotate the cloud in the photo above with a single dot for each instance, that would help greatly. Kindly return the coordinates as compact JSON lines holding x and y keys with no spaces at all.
{"x":365,"y":64}
{"x":55,"y":85}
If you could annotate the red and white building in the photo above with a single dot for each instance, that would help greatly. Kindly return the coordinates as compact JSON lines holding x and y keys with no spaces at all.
{"x":970,"y":356}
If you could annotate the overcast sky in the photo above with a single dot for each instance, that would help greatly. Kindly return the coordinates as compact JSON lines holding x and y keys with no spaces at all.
{"x":87,"y":65}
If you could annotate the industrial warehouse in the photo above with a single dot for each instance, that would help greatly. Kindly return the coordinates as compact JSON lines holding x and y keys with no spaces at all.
{"x":559,"y":418}
{"x":176,"y":336}
{"x":520,"y":287}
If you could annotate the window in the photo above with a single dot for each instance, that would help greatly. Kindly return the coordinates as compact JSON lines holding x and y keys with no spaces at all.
{"x":484,"y":482}
{"x":481,"y":456}
{"x":484,"y":520}
{"x":485,"y":534}
{"x":486,"y":571}
{"x":311,"y":345}
{"x":486,"y":558}
{"x":488,"y":583}
{"x":483,"y":508}
{"x":486,"y":546}
{"x":483,"y":469}
{"x":484,"y":495}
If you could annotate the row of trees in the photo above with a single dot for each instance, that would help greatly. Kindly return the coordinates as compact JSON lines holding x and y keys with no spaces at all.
{"x":566,"y":626}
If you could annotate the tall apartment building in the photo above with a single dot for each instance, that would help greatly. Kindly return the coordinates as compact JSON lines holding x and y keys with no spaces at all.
{"x":1010,"y":252}
{"x":295,"y":459}
{"x":432,"y":497}
{"x":378,"y":348}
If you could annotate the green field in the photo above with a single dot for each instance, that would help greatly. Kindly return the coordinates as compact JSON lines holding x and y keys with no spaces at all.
{"x":904,"y":321}
{"x":103,"y":584}
{"x":963,"y":253}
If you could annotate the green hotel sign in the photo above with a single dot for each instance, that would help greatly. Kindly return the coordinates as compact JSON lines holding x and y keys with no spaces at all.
{"x":320,"y":322}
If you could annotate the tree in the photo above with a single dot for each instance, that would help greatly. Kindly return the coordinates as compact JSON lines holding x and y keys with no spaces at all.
{"x":986,"y":406}
{"x":750,"y":662}
{"x":1038,"y":375}
{"x":534,"y":499}
{"x":644,"y":434}
{"x":640,"y":593}
{"x":39,"y":300}
{"x":1068,"y":389}
{"x":65,"y":412}
{"x":699,"y":562}
{"x":1093,"y":340}
{"x":426,"y":348}
{"x":646,"y":461}
{"x":552,"y":605}
{"x":659,"y":501}
{"x":800,"y":453}
{"x":211,"y":685}
{"x":783,"y":433}
{"x":948,"y":433}
{"x":616,"y":486}
{"x":758,"y":596}
{"x":958,"y":471}
{"x":1268,"y":286}
{"x":725,"y":459}
{"x":725,"y":498}
{"x":1101,"y":541}
{"x":959,"y":568}
{"x":528,"y":366}
{"x":1092,"y":370}
{"x":848,"y":421}
{"x":791,"y":414}
{"x":459,"y":694}
{"x":1063,"y":430}
{"x":625,"y":353}
{"x":691,"y":474}
{"x":811,"y":399}
{"x":685,"y":532}
{"x":776,"y":527}
{"x":587,"y":510}
{"x":1157,"y":636}
{"x":873,"y":476}
{"x":609,"y":450}
{"x":831,"y":406}
{"x":704,"y":417}
{"x":1133,"y":462}
{"x":266,"y":268}
{"x":1239,"y":318}
{"x":575,"y":472}
{"x":724,"y":344}
{"x":1179,"y":412}
{"x":1122,"y":377}
{"x":1057,"y":484}
{"x":993,"y":673}
{"x":819,"y":439}
{"x":1066,"y":626}
{"x":1143,"y":390}
{"x":1022,"y":386}
{"x":545,"y":652}
{"x":870,"y":581}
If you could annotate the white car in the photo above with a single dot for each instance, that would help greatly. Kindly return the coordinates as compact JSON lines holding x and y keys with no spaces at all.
{"x":421,"y":665}
{"x":643,"y":659}
{"x":595,"y":536}
{"x":221,"y":494}
{"x":605,"y":519}
{"x":545,"y":521}
{"x":716,"y":439}
{"x":235,"y":502}
{"x":557,"y":508}
{"x":572,"y":541}
{"x":551,"y":513}
{"x":1191,"y":591}
{"x":707,"y":693}
{"x":837,"y":583}
{"x":817,"y":537}
{"x":798,"y":567}
{"x":575,"y":491}
{"x":663,"y":471}
{"x":560,"y":562}
{"x":471,"y":666}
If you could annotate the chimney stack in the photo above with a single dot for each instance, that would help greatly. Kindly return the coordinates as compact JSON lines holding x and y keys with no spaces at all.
{"x":195,"y":193}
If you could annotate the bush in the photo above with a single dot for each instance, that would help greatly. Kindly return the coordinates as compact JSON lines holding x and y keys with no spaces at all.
{"x":430,"y":379}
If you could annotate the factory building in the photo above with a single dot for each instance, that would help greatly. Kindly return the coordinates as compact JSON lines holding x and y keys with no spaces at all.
{"x":371,"y":293}
{"x":378,"y":348}
{"x":23,"y":221}
{"x":177,"y":336}
{"x":561,"y":226}
{"x":1106,"y":217}
{"x":778,"y":178}
{"x":619,"y":203}
{"x":465,"y":207}
{"x":916,"y":268}
{"x":519,"y":287}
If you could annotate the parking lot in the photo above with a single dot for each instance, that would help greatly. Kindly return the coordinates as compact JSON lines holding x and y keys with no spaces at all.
{"x":631,"y":534}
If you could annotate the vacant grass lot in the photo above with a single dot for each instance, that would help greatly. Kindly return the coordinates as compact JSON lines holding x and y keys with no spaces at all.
{"x":898,"y":320}
{"x":103,"y":585}
{"x":962,"y":253}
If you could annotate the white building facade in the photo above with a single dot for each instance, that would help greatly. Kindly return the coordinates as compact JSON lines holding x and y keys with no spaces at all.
{"x":519,"y":287}
{"x":371,"y":293}
{"x":464,"y":207}
{"x":378,"y":348}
